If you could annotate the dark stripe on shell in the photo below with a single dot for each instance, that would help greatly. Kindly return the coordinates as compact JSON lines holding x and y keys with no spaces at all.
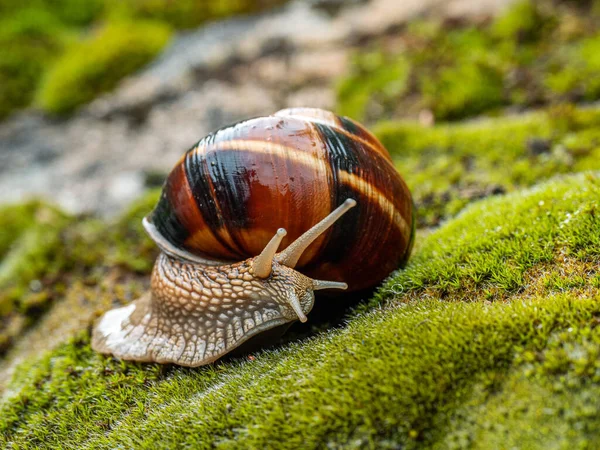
{"x":166,"y":220}
{"x":198,"y":175}
{"x":231,"y":188}
{"x":359,"y":131}
{"x":355,"y":240}
{"x":341,"y":157}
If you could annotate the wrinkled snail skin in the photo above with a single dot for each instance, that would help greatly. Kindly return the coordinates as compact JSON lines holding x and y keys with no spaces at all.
{"x":243,"y":193}
{"x":195,"y":315}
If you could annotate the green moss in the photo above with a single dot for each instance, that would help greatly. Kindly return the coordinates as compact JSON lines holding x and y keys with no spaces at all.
{"x":31,"y":260}
{"x":357,"y":94}
{"x":362,"y":386}
{"x":511,"y":237}
{"x":522,"y":22}
{"x":451,"y":72}
{"x":14,"y":220}
{"x":463,"y":90}
{"x":134,"y":250}
{"x":556,"y":388}
{"x":34,"y":254}
{"x":409,"y":374}
{"x":537,"y":52}
{"x":35,"y":33}
{"x":460,"y":76}
{"x":48,"y":255}
{"x":30,"y":249}
{"x":67,"y":12}
{"x":191,"y":13}
{"x":575,"y":72}
{"x":98,"y":63}
{"x":30,"y":40}
{"x":449,"y":165}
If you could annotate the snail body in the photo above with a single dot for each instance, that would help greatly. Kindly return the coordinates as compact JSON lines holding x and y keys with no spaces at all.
{"x":248,"y":189}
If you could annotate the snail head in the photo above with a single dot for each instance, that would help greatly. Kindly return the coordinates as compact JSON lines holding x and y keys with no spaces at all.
{"x":293,"y":290}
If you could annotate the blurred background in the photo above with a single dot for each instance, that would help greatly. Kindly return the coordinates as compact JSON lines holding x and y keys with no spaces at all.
{"x":98,"y":99}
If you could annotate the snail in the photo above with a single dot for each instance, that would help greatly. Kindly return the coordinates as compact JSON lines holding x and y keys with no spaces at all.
{"x":319,"y":186}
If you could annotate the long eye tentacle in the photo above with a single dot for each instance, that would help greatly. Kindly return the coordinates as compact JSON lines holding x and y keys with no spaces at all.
{"x":322,"y":284}
{"x":294,"y":302}
{"x":290,"y":256}
{"x":263,"y":263}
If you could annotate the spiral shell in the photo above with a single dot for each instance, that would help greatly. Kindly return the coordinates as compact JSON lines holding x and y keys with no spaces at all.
{"x":228,"y":195}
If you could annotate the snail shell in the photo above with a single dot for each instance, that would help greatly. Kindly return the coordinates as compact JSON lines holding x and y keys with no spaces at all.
{"x":230,"y":193}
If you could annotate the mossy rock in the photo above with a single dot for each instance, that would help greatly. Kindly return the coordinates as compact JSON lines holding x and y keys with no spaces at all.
{"x":67,"y":12}
{"x":30,"y":248}
{"x":503,"y":297}
{"x":30,"y":41}
{"x":446,"y":167}
{"x":488,"y":337}
{"x":537,"y":52}
{"x":449,"y":165}
{"x":575,"y":72}
{"x":98,"y":63}
{"x":47,"y":256}
{"x":34,"y":34}
{"x":191,"y":13}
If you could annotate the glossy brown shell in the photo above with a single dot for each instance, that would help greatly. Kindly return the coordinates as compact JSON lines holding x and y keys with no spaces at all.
{"x":230,"y":193}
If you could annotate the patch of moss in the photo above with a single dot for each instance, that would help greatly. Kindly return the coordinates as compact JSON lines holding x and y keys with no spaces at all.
{"x":523,"y":22}
{"x":31,"y":256}
{"x":14,"y":220}
{"x":453,"y":73}
{"x":30,"y":41}
{"x":555,"y":387}
{"x":399,"y":374}
{"x":575,"y":72}
{"x":358,"y":98}
{"x":460,"y":76}
{"x":34,"y":253}
{"x":32,"y":263}
{"x":47,"y":255}
{"x":67,"y":12}
{"x":449,"y":165}
{"x":463,"y":90}
{"x":34,"y":34}
{"x":134,"y":250}
{"x":506,"y":238}
{"x":191,"y":13}
{"x":98,"y":63}
{"x":538,"y":52}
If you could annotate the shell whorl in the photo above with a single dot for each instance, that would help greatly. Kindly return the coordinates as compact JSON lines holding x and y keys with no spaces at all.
{"x":229,"y":194}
